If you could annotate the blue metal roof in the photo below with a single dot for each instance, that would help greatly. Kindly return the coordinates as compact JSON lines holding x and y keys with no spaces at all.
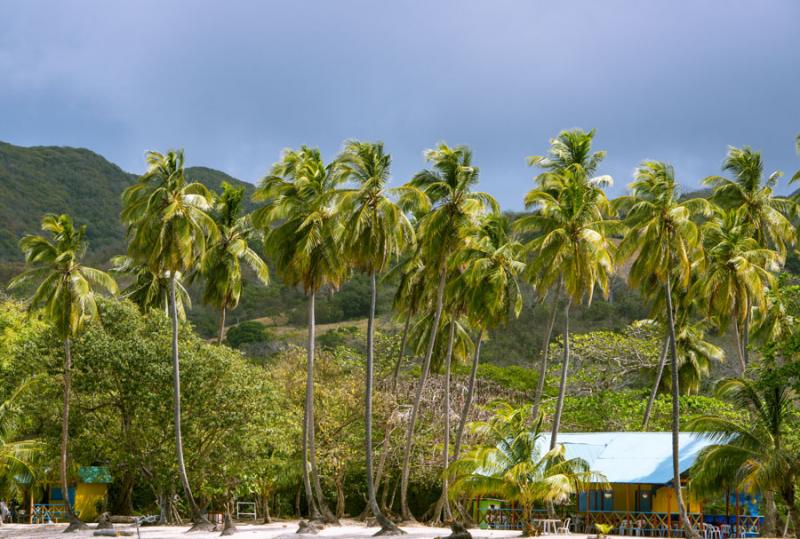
{"x":631,"y":457}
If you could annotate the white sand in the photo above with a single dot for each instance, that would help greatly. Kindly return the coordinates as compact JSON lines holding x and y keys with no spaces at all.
{"x":251,"y":531}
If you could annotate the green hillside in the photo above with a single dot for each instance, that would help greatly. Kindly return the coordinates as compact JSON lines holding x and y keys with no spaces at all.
{"x":77,"y":181}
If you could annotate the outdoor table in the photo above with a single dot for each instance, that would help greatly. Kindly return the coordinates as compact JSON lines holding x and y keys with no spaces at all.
{"x":549,"y":525}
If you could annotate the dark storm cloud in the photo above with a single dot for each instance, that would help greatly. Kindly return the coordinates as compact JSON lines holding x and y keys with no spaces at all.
{"x":235,"y":82}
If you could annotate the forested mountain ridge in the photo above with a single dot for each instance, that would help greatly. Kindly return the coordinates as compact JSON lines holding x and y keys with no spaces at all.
{"x":59,"y":179}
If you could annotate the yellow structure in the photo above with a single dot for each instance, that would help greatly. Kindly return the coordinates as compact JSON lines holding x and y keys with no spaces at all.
{"x":648,"y":498}
{"x":87,"y":494}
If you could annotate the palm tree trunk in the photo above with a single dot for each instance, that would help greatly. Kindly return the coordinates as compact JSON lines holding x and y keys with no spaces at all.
{"x":739,"y":345}
{"x":308,"y":415}
{"x":426,"y":365}
{"x":442,"y":511}
{"x":200,"y":523}
{"x":75,"y":523}
{"x":746,"y":334}
{"x":562,"y":386}
{"x":387,"y":526}
{"x":473,"y":375}
{"x":676,"y":414}
{"x":402,"y":352}
{"x":537,"y":400}
{"x":221,"y":326}
{"x":328,"y":516}
{"x":662,"y":361}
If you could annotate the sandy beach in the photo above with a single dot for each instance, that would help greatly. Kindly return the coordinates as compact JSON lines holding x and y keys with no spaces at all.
{"x":250,"y":531}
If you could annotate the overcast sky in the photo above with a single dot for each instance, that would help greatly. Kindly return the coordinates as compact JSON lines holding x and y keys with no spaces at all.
{"x":234,"y":82}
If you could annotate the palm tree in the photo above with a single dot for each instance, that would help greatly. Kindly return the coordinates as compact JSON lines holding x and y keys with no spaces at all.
{"x":65,"y":293}
{"x":664,"y":239}
{"x":751,"y":453}
{"x":739,"y":272}
{"x":301,"y":233}
{"x":767,"y":217}
{"x":440,"y":233}
{"x":149,"y":290}
{"x":168,"y":228}
{"x":377,"y":230}
{"x":492,"y":264}
{"x":17,"y":453}
{"x":571,"y":149}
{"x":221,"y":265}
{"x":571,"y":221}
{"x":514,"y":464}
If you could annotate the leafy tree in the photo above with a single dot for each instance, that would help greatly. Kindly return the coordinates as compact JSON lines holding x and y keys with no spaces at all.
{"x":301,"y":235}
{"x":221,"y":265}
{"x":246,"y":332}
{"x":447,"y":190}
{"x":513,"y":464}
{"x":663,"y":240}
{"x":377,"y":230}
{"x":66,"y":296}
{"x":168,"y":225}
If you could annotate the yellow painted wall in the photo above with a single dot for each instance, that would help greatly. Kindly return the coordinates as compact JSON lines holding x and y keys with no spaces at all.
{"x":664,"y":501}
{"x":87,"y":498}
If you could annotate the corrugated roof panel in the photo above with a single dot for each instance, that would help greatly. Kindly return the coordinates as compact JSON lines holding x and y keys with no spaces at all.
{"x":632,"y":457}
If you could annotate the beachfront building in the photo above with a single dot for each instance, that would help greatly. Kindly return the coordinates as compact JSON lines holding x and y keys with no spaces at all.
{"x":639,"y":498}
{"x":86,"y":492}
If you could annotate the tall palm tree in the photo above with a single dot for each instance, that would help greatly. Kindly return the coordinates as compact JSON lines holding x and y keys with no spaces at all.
{"x":66,"y":294}
{"x":440,"y":233}
{"x":740,"y":270}
{"x":767,"y":217}
{"x":572,"y":225}
{"x":571,"y":149}
{"x":168,"y":228}
{"x":221,"y":267}
{"x":301,"y":225}
{"x":753,"y":453}
{"x":377,"y":231}
{"x":662,"y":238}
{"x":513,"y":463}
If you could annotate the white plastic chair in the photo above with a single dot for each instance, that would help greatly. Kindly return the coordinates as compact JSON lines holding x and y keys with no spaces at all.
{"x":565,"y":528}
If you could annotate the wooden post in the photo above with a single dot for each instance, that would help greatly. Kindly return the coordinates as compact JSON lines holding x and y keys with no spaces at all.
{"x":476,"y":510}
{"x":669,"y":513}
{"x":736,"y":493}
{"x":627,"y":498}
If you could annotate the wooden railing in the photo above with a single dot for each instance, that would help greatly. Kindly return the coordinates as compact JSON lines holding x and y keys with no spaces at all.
{"x":632,"y":523}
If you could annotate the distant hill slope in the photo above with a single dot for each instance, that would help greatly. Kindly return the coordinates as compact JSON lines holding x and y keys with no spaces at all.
{"x":42,"y":179}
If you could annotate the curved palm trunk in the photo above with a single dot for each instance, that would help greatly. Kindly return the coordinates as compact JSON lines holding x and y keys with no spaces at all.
{"x":473,"y":375}
{"x":739,"y":341}
{"x":200,"y":523}
{"x":426,"y":365}
{"x":387,"y":526}
{"x":75,"y":523}
{"x":537,"y":400}
{"x":442,"y":512}
{"x":221,"y":325}
{"x":562,"y":386}
{"x":662,"y":361}
{"x":402,"y":352}
{"x":313,"y":511}
{"x":676,"y":415}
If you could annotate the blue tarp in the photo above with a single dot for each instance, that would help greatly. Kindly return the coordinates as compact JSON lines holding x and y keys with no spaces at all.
{"x":631,"y":457}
